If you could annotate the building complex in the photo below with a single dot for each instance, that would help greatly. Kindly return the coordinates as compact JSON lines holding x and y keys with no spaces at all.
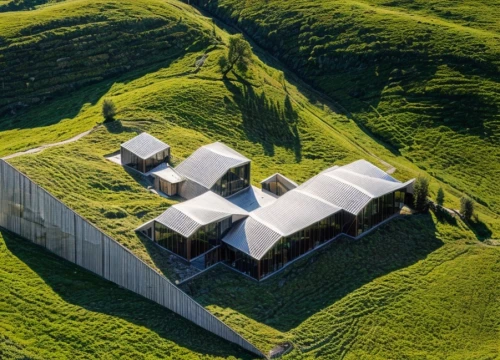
{"x":260,"y":231}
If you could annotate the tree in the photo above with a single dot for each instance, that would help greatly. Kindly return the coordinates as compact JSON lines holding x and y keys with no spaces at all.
{"x":440,"y":197}
{"x":108,"y":110}
{"x":239,"y":55}
{"x":420,"y":193}
{"x":466,"y":207}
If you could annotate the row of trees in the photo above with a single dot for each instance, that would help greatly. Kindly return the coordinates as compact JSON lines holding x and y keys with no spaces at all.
{"x":421,"y":194}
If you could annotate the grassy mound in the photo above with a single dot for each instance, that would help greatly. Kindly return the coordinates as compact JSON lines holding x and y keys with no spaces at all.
{"x":422,"y":77}
{"x":60,"y":48}
{"x":429,"y":292}
{"x":54,"y":309}
{"x":375,"y":297}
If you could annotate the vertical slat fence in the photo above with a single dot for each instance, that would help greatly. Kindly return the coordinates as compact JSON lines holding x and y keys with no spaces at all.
{"x":31,"y":212}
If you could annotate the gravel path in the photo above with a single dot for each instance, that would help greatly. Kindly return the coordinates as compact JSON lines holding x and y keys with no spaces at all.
{"x":40,"y":148}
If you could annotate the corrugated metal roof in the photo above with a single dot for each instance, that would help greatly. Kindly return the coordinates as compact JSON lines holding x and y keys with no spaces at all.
{"x":252,"y":237}
{"x":364,"y":167}
{"x":187,"y":217}
{"x":252,"y":198}
{"x":144,"y":145}
{"x":166,"y":172}
{"x":207,"y":164}
{"x":294,"y":211}
{"x":350,"y":187}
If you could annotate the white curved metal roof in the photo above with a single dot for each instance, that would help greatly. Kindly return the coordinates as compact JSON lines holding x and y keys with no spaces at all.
{"x":187,"y":217}
{"x":294,"y":211}
{"x":364,"y":167}
{"x":252,"y":237}
{"x":349,"y":187}
{"x":207,"y":164}
{"x":252,"y":198}
{"x":144,"y":145}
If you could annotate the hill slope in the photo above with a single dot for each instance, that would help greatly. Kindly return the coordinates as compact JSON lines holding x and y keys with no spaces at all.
{"x":54,"y":309}
{"x":423,"y":78}
{"x":332,"y":304}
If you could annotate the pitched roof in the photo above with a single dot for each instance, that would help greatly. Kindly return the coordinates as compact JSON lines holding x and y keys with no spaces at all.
{"x":166,"y":172}
{"x":290,"y":213}
{"x":352,"y":186}
{"x":187,"y":217}
{"x":207,"y":164}
{"x":252,"y":198}
{"x":349,"y":187}
{"x":144,"y":145}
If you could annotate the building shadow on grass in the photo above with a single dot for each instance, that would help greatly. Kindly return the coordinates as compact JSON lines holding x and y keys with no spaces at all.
{"x":82,"y":288}
{"x":319,"y":280}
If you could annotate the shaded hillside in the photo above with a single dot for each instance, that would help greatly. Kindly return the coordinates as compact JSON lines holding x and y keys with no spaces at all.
{"x":19,"y":5}
{"x":52,"y":309}
{"x":64,"y":47}
{"x":423,"y":78}
{"x":395,"y":294}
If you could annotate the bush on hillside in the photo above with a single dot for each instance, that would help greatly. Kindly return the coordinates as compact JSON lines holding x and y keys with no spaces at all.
{"x":420,"y":193}
{"x":239,"y":55}
{"x":108,"y":110}
{"x":440,"y":197}
{"x":466,"y":207}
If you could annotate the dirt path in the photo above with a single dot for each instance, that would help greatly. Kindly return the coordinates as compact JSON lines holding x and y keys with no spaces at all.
{"x":40,"y":148}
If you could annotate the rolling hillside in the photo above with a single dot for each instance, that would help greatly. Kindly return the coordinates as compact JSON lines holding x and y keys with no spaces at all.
{"x":419,"y":287}
{"x":422,"y":77}
{"x":52,"y":309}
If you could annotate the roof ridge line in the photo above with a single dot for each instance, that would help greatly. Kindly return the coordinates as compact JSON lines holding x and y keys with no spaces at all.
{"x":317,"y":198}
{"x":265,"y":223}
{"x":359,"y":188}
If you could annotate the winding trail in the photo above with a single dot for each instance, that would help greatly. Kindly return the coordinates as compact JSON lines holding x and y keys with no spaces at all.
{"x":46,"y":146}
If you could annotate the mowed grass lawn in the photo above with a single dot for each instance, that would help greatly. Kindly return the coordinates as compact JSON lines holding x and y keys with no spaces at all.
{"x":52,"y":309}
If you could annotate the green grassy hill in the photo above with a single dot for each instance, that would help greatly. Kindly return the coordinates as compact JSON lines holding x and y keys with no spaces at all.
{"x":64,"y":47}
{"x":383,"y":296}
{"x":429,"y":293}
{"x":52,"y":309}
{"x":422,"y":77}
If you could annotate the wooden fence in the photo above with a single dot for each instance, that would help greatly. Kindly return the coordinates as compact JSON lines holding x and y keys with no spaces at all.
{"x":31,"y":212}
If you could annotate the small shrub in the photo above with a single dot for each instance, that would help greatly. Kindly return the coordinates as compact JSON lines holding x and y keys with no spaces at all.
{"x":421,"y":192}
{"x":440,"y":197}
{"x":108,"y":110}
{"x":466,"y":207}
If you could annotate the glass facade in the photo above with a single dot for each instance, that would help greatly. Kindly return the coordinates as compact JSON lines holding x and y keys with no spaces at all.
{"x":204,"y":239}
{"x":274,"y":187}
{"x":171,"y":240}
{"x":286,"y":249}
{"x":378,"y":210}
{"x":234,"y":180}
{"x":144,"y":165}
{"x":242,"y":262}
{"x":204,"y":247}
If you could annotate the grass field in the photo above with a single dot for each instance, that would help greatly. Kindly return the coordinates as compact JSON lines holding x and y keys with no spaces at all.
{"x":418,"y":287}
{"x":52,"y":309}
{"x":430,"y":292}
{"x":422,"y":77}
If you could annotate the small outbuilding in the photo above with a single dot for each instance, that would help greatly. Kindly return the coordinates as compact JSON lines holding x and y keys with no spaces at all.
{"x":144,"y":152}
{"x":166,"y":179}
